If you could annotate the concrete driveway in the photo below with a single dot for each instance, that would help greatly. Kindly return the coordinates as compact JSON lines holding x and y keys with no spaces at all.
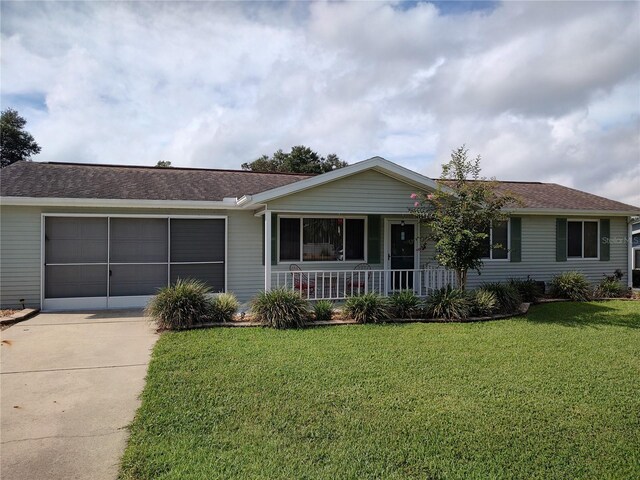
{"x":69,"y":387}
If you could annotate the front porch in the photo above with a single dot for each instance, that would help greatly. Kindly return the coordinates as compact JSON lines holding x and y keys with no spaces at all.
{"x":340,"y":284}
{"x":335,"y":256}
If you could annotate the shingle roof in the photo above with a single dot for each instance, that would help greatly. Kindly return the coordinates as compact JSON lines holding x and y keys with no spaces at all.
{"x":538,"y":195}
{"x":74,"y":180}
{"x":69,"y":180}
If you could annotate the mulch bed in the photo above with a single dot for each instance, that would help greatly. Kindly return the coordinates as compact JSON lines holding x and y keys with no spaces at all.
{"x":11,"y":317}
{"x":247,"y":320}
{"x":340,"y":319}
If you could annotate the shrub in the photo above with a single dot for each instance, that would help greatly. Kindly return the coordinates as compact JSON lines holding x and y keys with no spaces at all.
{"x":367,"y":308}
{"x":507,"y":296}
{"x":616,"y":276}
{"x":224,"y":307}
{"x":608,"y":288}
{"x":404,"y":304}
{"x":529,"y":289}
{"x":323,"y":310}
{"x":570,"y":285}
{"x":483,"y":302}
{"x":449,"y":303}
{"x":180,"y":305}
{"x":280,"y":308}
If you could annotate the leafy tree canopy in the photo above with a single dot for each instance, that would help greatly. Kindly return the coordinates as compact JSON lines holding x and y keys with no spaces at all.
{"x":459,"y":213}
{"x":16,"y":143}
{"x":301,"y":159}
{"x":163,"y":164}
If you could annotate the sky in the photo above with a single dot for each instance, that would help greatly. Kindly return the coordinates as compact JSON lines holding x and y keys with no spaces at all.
{"x":543,"y":91}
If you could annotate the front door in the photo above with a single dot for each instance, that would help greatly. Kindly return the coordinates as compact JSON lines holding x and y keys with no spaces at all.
{"x":401,"y":255}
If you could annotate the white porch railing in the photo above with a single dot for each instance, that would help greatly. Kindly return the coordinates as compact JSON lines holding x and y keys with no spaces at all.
{"x":340,"y":284}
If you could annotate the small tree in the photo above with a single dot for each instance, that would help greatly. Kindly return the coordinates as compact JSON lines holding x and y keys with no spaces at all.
{"x":458,"y":214}
{"x":163,"y":164}
{"x":16,"y":144}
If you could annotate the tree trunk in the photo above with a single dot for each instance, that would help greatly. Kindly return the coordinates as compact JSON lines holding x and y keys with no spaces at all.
{"x":462,"y":279}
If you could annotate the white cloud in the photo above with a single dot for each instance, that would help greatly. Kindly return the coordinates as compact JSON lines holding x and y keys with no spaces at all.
{"x":543,"y":91}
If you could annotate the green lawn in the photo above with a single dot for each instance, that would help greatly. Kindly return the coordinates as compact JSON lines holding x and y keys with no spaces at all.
{"x":552,"y":395}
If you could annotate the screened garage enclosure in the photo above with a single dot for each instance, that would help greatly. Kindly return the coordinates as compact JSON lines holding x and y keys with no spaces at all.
{"x":120,"y":261}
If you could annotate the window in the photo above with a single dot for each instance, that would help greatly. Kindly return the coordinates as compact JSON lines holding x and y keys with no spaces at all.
{"x":321,"y":239}
{"x":496,"y":245}
{"x":582,"y":239}
{"x":290,"y":239}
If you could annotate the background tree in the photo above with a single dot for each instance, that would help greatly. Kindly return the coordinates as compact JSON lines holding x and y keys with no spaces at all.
{"x":16,"y":143}
{"x":458,"y":214}
{"x":301,"y":159}
{"x":163,"y":164}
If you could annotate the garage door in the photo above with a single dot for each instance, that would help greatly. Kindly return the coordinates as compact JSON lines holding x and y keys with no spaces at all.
{"x":118,"y":262}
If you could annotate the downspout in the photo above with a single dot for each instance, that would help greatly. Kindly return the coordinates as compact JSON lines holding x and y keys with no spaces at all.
{"x":630,"y":252}
{"x":267,"y":249}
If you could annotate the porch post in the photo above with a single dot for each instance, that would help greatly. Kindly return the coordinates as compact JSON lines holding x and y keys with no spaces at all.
{"x":267,"y":250}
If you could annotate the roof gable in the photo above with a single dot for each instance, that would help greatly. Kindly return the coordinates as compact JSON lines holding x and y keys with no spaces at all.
{"x":378,"y":164}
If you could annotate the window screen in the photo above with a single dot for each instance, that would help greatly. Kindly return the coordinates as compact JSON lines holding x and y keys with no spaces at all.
{"x":138,"y":240}
{"x":139,"y":279}
{"x":354,"y":242}
{"x":210,"y":273}
{"x":198,"y":251}
{"x":75,"y":240}
{"x":69,"y":281}
{"x":590,"y":239}
{"x":117,"y":256}
{"x":500,"y":238}
{"x":290,"y":239}
{"x":486,"y":244}
{"x":195,"y":240}
{"x":322,"y":239}
{"x":75,"y":257}
{"x":574,"y":239}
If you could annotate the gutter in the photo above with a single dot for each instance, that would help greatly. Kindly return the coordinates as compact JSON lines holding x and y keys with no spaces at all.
{"x":245,"y":200}
{"x":229,"y":204}
{"x":568,"y":211}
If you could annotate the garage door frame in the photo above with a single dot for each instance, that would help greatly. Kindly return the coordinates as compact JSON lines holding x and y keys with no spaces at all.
{"x":101,"y":303}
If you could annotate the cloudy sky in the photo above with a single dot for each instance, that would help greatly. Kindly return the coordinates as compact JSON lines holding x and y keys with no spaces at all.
{"x":543,"y":91}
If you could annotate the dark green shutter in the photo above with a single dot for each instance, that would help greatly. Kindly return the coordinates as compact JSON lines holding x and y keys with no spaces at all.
{"x":605,"y":231}
{"x":374,"y":228}
{"x":274,"y":239}
{"x":516,"y":239}
{"x":561,"y":239}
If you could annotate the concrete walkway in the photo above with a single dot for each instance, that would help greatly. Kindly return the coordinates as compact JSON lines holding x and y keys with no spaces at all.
{"x":69,"y":386}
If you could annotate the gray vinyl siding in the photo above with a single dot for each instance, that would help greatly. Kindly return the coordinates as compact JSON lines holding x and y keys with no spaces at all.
{"x":539,"y":255}
{"x":365,"y":192}
{"x":19,"y":256}
{"x":20,"y":249}
{"x":245,"y":274}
